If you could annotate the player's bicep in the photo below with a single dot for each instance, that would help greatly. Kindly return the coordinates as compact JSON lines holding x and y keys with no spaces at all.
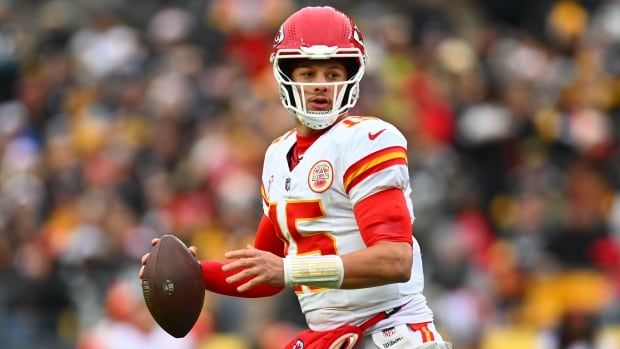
{"x":267,"y":239}
{"x":384,"y":216}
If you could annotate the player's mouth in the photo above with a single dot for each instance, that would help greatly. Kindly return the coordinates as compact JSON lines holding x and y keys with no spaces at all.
{"x":319,"y":103}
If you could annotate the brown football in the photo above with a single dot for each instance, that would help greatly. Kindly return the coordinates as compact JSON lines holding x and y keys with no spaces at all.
{"x":172,"y":286}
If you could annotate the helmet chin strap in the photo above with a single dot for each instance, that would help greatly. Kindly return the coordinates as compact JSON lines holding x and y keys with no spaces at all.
{"x":320,"y":119}
{"x":317,"y":122}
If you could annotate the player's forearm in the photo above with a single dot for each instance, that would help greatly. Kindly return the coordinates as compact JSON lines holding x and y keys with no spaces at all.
{"x":382,"y":263}
{"x":215,"y":281}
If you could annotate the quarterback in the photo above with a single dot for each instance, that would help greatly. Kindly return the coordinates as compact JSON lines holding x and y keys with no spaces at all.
{"x":337,"y":223}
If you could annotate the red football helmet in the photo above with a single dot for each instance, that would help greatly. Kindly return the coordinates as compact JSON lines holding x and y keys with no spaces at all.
{"x":319,"y":33}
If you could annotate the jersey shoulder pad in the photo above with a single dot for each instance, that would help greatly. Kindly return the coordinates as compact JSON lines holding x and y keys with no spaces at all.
{"x":371,"y":133}
{"x":282,"y":140}
{"x":375,"y":156}
{"x":355,"y":122}
{"x":286,"y":135}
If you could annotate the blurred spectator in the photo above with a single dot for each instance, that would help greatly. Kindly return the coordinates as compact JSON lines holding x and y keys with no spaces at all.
{"x":122,"y":121}
{"x":128,"y":324}
{"x":576,"y":330}
{"x":37,"y":300}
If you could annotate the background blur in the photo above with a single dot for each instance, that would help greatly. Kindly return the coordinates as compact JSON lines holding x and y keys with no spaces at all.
{"x":124,"y":120}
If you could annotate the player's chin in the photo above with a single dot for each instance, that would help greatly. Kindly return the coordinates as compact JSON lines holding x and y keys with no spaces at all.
{"x":321,"y":108}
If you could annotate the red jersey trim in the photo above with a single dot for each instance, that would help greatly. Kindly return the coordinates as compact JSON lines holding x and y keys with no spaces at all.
{"x":283,"y":137}
{"x":263,"y":194}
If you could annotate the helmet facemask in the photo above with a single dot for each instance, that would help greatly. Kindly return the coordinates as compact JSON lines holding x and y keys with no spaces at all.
{"x":344,"y":93}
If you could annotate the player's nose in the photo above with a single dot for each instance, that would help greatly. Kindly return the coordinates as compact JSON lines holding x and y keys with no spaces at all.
{"x":320,"y":78}
{"x":320,"y":88}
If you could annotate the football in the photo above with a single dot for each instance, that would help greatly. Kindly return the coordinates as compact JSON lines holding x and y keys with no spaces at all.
{"x":172,"y":286}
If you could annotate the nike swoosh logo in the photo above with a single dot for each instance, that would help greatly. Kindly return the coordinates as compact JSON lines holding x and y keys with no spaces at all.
{"x":373,"y":136}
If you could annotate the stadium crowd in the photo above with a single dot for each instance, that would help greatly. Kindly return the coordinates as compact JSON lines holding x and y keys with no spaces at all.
{"x":124,"y":120}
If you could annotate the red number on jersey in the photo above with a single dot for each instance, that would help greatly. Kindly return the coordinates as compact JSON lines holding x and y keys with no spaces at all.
{"x":315,"y":243}
{"x":354,"y":120}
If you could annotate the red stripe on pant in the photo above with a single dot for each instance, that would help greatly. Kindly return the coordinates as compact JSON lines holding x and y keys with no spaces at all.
{"x":422,"y":327}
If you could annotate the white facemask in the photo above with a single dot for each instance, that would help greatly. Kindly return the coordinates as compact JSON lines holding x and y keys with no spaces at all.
{"x":292,"y":95}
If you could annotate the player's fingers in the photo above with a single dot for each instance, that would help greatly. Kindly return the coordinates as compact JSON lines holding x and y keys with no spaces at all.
{"x":193,"y":250}
{"x":244,"y":253}
{"x":154,"y":241}
{"x":244,"y":274}
{"x":141,"y":273}
{"x":235,"y":264}
{"x":236,"y":277}
{"x":144,"y":258}
{"x":239,"y":263}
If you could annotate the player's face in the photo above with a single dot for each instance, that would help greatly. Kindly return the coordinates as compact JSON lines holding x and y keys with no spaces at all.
{"x":319,"y":97}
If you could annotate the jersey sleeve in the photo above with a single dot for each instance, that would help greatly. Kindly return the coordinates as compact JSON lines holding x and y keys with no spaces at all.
{"x":267,"y":173}
{"x":267,"y":238}
{"x":264,"y":198}
{"x":265,"y":182}
{"x":375,"y":159}
{"x":384,"y":216}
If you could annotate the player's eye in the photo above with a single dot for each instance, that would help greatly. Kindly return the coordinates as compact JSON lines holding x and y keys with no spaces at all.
{"x":303,"y":75}
{"x":335,"y":76}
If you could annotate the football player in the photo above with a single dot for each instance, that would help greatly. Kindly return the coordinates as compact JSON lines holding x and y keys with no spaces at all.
{"x":337,"y":223}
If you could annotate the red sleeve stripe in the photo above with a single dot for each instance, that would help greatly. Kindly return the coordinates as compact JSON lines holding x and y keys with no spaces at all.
{"x":373,"y":163}
{"x":373,"y":170}
{"x":263,"y":194}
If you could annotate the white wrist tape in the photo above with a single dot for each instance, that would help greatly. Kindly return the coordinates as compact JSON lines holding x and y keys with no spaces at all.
{"x":322,"y":271}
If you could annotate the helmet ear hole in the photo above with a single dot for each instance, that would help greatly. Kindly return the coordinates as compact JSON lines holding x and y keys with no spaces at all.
{"x":350,"y":89}
{"x":287,"y":92}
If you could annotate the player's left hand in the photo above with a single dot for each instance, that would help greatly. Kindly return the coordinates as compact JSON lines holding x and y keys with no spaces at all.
{"x":260,"y":267}
{"x":192,"y":249}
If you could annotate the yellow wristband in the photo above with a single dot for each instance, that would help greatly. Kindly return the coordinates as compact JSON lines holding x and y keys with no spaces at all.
{"x":322,"y":271}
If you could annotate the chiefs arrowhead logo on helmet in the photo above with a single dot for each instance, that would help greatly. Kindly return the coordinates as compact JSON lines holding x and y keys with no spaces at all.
{"x":279,"y":37}
{"x":357,"y":36}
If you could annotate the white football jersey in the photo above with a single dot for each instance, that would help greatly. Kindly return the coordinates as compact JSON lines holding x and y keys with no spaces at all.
{"x":311,"y":208}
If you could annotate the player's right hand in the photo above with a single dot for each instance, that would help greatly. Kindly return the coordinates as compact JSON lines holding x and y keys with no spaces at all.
{"x":192,"y":249}
{"x":256,"y":266}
